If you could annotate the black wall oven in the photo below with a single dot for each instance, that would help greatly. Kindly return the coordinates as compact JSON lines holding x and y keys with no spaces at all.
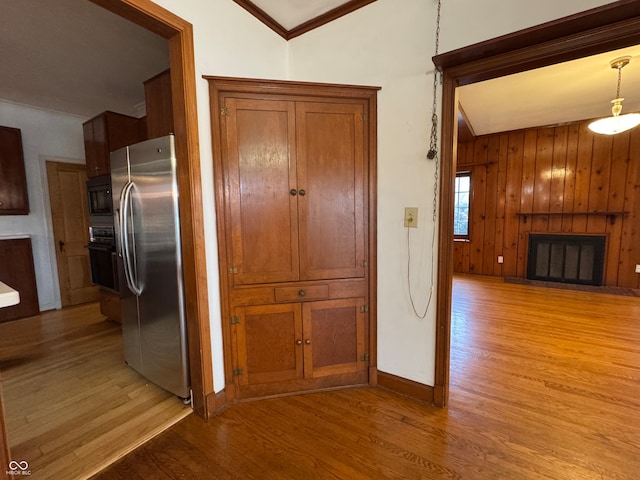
{"x":102,"y":257}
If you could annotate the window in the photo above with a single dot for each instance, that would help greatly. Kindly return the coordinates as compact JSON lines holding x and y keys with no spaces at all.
{"x":461,"y":206}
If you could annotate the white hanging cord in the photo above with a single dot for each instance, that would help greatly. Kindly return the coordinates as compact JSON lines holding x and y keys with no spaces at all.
{"x":432,"y":154}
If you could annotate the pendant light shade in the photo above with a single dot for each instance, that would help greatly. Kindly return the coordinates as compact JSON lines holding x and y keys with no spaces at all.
{"x":616,"y":123}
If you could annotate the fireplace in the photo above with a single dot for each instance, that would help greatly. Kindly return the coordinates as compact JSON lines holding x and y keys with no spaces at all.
{"x":575,"y":259}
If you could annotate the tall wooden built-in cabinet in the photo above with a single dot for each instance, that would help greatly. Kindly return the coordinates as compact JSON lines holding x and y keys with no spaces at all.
{"x":295,"y":200}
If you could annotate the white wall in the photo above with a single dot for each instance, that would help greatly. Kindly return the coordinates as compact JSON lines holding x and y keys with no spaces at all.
{"x":227,"y":42}
{"x":46,"y":135}
{"x":382,"y":44}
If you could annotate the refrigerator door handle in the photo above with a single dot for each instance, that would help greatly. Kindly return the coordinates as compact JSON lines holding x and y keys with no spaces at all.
{"x":125,"y":203}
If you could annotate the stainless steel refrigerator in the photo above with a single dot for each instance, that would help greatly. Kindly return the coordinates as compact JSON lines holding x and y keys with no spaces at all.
{"x":145,"y":206}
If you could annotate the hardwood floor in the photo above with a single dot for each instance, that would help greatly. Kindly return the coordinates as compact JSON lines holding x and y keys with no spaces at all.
{"x":72,"y":406}
{"x":545,"y":384}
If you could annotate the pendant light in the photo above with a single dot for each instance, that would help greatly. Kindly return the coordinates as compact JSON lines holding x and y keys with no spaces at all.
{"x":616,"y":123}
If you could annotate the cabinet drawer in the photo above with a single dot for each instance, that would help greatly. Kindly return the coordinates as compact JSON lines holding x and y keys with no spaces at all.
{"x":302,"y":293}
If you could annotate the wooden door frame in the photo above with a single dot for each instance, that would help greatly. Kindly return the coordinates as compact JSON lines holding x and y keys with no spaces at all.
{"x":179,"y":34}
{"x":594,"y":31}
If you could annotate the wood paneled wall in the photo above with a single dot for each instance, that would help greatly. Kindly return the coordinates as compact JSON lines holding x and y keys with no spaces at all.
{"x":569,"y":177}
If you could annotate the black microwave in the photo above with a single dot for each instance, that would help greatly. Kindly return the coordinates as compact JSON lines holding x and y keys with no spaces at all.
{"x":99,"y":196}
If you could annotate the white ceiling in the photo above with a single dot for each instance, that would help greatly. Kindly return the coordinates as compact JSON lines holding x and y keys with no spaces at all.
{"x":577,"y":90}
{"x":73,"y":56}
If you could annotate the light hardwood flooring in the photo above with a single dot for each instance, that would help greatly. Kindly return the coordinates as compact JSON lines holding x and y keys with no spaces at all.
{"x":545,"y":384}
{"x":72,"y":406}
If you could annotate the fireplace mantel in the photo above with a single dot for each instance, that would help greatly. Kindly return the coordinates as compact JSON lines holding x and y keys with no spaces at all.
{"x":610,"y":215}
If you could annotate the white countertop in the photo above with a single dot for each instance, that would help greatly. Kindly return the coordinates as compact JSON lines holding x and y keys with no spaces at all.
{"x":8,"y":296}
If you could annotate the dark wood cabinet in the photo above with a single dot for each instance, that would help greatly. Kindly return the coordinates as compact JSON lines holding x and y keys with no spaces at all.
{"x":16,"y":259}
{"x":157,"y":93}
{"x":105,"y":133}
{"x":295,"y":215}
{"x":110,"y":305}
{"x":14,"y":199}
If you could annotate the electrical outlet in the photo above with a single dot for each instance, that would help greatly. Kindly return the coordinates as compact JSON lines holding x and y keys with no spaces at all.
{"x":500,"y":259}
{"x":411,"y":217}
{"x":637,"y":268}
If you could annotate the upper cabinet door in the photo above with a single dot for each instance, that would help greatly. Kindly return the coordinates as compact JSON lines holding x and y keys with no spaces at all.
{"x":13,"y":181}
{"x":331,"y":161}
{"x":259,"y":148}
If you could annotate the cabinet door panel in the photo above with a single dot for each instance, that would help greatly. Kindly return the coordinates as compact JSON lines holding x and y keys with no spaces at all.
{"x":331,"y":158}
{"x":100,"y":161}
{"x":334,"y":337}
{"x":268,"y":349}
{"x":261,"y":172}
{"x":13,"y":181}
{"x":17,"y":271}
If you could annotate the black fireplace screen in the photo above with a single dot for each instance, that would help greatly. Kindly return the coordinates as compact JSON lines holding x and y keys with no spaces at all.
{"x":566,"y":258}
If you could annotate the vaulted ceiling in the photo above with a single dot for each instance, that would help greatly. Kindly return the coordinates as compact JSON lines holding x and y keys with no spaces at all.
{"x":291,"y":18}
{"x":74,"y":56}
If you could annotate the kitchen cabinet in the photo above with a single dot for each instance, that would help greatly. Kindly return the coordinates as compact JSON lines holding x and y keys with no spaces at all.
{"x":16,"y":258}
{"x":110,"y":305}
{"x":294,"y":204}
{"x":286,"y":347}
{"x":105,"y":133}
{"x":157,"y":93}
{"x":14,"y":199}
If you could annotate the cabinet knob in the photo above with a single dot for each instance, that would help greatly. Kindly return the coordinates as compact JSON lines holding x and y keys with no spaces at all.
{"x":298,"y":342}
{"x":293,"y":192}
{"x":0,"y":203}
{"x":307,"y":342}
{"x":302,"y":293}
{"x":302,"y":193}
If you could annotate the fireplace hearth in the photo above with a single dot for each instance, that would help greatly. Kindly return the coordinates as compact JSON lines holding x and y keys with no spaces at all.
{"x":577,"y":259}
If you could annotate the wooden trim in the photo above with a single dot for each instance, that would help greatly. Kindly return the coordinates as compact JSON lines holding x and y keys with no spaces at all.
{"x":579,"y":28}
{"x":300,"y":90}
{"x":180,"y":36}
{"x":373,"y":238}
{"x":287,"y":87}
{"x":610,"y":27}
{"x":264,"y":17}
{"x":217,"y":402}
{"x":307,"y":26}
{"x":325,"y":18}
{"x":408,"y":388}
{"x":5,"y":454}
{"x":448,"y":156}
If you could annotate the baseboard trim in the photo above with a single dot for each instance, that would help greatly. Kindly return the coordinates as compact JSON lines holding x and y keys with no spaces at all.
{"x":403,"y":386}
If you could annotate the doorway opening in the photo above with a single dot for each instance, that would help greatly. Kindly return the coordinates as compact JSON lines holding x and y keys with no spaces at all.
{"x":588,"y":33}
{"x":180,"y":39}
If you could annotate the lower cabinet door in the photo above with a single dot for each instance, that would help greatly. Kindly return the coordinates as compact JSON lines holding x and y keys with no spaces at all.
{"x":269,"y":339}
{"x":283,"y":348}
{"x":334,"y":338}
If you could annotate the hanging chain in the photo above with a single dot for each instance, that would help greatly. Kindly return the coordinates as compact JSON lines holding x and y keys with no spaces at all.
{"x":432,"y":154}
{"x":433,"y":137}
{"x":619,"y":67}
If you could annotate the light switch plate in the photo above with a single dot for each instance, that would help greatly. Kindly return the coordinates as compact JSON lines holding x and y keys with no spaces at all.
{"x":637,"y":268}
